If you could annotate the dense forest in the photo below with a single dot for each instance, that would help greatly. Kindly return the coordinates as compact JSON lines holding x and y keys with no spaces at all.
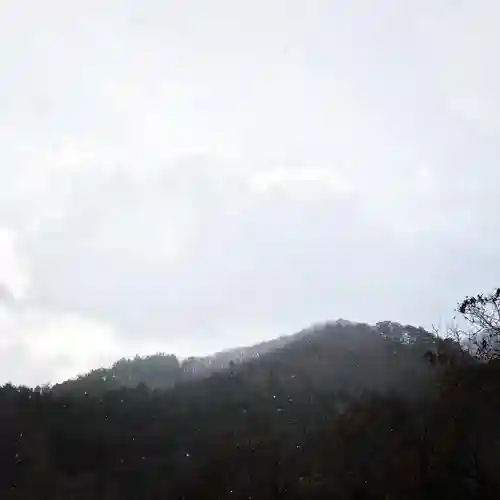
{"x":340,"y":411}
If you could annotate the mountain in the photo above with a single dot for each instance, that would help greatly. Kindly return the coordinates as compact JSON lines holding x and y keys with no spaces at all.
{"x":165,"y":371}
{"x":332,"y":357}
{"x":340,"y":410}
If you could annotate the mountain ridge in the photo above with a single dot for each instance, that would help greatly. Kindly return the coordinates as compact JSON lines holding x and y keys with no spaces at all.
{"x":165,"y":371}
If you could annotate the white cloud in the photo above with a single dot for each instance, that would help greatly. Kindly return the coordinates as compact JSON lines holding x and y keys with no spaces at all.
{"x":14,"y":278}
{"x":250,"y":167}
{"x":466,"y":48}
{"x":301,"y":182}
{"x":50,"y":347}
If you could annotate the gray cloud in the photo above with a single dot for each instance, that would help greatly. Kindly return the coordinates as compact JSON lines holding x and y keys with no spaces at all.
{"x":191,"y":177}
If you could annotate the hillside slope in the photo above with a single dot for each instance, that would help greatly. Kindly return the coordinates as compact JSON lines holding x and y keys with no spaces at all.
{"x":345,"y":411}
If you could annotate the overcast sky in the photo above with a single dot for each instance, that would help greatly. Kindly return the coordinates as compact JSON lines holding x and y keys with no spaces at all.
{"x":189,"y":176}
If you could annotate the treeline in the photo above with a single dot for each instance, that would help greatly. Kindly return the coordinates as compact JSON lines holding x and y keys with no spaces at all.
{"x":164,"y":371}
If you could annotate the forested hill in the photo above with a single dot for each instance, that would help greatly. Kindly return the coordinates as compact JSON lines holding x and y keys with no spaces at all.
{"x":346,"y":411}
{"x":164,"y":371}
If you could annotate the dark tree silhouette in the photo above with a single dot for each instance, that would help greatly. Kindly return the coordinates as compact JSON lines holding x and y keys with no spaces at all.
{"x":482,"y":313}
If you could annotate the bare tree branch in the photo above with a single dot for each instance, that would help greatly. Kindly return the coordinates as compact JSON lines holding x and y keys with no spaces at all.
{"x":482,"y":313}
